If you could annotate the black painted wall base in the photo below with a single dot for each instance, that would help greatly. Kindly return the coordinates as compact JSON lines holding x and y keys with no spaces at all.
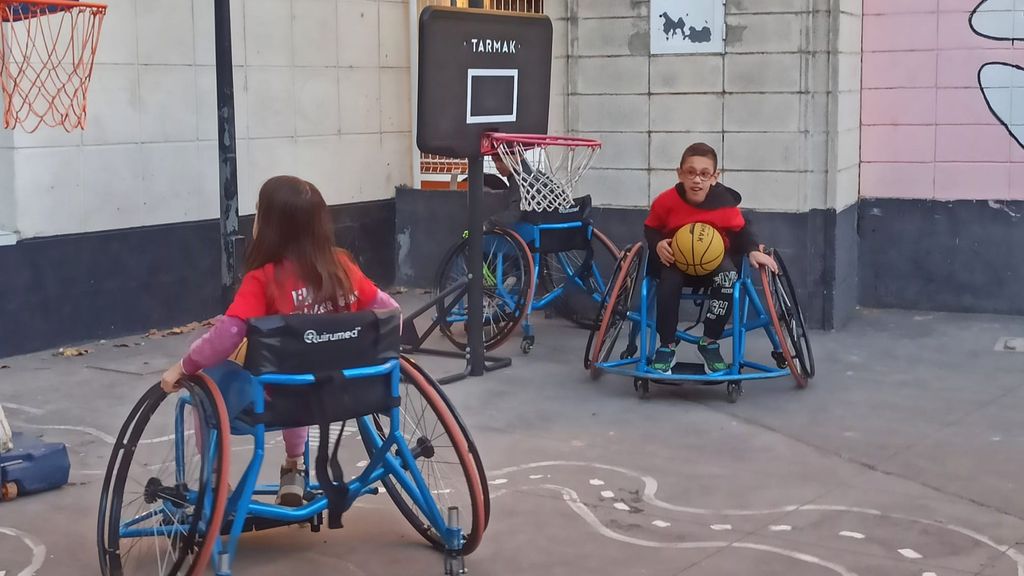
{"x":960,"y":256}
{"x":430,"y":221}
{"x":61,"y":290}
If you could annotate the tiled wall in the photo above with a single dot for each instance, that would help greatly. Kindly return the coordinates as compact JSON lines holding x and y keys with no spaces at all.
{"x":321,"y":91}
{"x":763,"y":104}
{"x":927,"y":128}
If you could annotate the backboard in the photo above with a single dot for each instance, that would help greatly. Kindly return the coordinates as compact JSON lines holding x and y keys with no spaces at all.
{"x":480,"y":71}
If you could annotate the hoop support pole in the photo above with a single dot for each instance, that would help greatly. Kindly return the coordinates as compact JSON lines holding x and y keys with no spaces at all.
{"x":229,"y":238}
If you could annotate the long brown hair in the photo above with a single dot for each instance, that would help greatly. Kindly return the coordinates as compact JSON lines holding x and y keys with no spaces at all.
{"x":294,"y":226}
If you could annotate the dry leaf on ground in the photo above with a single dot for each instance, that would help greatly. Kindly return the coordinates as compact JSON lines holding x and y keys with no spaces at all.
{"x":71,"y":352}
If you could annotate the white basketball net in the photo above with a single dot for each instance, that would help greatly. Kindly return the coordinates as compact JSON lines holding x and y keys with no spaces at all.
{"x":546,"y":173}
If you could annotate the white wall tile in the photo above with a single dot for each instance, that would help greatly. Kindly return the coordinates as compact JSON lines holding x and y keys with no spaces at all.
{"x":165,"y":31}
{"x":621,"y":188}
{"x":395,"y":98}
{"x":358,"y":33}
{"x":8,"y":209}
{"x":271,"y":102}
{"x":112,"y":186}
{"x":206,"y":200}
{"x":48,"y":200}
{"x":119,"y":42}
{"x":317,"y":107}
{"x":397,"y":168}
{"x":268,"y":32}
{"x":169,"y":187}
{"x":268,"y":158}
{"x":167,"y":103}
{"x":315,"y":32}
{"x":360,"y":100}
{"x":394,"y":35}
{"x":316,"y":160}
{"x":359,"y":157}
{"x":113,"y":114}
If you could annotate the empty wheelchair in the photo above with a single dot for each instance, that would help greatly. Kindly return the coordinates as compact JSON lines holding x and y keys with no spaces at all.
{"x":554,"y":243}
{"x":166,"y":506}
{"x":628,"y":306}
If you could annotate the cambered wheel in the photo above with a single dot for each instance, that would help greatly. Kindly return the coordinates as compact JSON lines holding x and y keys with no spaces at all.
{"x":615,"y":305}
{"x":788,"y":321}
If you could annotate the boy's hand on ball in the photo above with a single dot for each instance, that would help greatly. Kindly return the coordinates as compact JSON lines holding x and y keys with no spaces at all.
{"x":665,"y":252}
{"x":758,"y":259}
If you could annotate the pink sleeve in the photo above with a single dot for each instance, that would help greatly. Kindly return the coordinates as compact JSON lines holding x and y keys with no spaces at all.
{"x":216,"y":345}
{"x":384,"y":301}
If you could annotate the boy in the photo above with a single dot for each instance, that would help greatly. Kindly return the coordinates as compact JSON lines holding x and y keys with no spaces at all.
{"x":698,"y":197}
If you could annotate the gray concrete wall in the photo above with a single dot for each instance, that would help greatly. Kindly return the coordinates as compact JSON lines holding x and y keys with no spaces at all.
{"x":763,"y":104}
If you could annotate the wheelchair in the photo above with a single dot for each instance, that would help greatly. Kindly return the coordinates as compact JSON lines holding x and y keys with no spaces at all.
{"x":630,"y":301}
{"x":553,"y":252}
{"x":166,"y":506}
{"x":547,"y":261}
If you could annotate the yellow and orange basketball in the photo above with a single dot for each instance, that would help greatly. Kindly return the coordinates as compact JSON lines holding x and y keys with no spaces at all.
{"x":698,"y":249}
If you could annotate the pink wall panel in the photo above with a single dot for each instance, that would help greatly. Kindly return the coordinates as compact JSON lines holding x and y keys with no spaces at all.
{"x":927,"y":129}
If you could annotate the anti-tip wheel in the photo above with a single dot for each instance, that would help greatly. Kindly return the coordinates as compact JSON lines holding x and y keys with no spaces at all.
{"x":527,"y":344}
{"x":643,"y":386}
{"x":734,"y":390}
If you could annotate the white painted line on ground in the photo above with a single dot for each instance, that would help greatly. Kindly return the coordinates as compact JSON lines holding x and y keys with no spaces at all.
{"x":362,"y":463}
{"x":622,"y":506}
{"x":23,"y":408}
{"x":92,"y":431}
{"x":596,"y":482}
{"x":910,"y":553}
{"x":498,"y":481}
{"x":38,"y":550}
{"x":849,"y":534}
{"x":721,"y":527}
{"x":651,"y":488}
{"x":658,"y":523}
{"x":573,"y":500}
{"x":780,"y":528}
{"x":608,"y":494}
{"x":923,"y":574}
{"x":536,"y":476}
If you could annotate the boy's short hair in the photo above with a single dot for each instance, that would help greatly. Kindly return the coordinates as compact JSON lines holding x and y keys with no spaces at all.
{"x":699,"y":149}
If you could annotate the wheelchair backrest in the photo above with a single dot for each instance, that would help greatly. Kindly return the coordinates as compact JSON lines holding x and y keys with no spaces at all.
{"x":321,"y":343}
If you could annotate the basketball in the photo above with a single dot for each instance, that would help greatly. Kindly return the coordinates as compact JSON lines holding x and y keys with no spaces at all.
{"x":698,"y":249}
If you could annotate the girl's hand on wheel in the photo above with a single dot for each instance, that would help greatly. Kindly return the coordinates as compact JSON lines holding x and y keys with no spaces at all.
{"x":665,"y":252}
{"x":170,"y":381}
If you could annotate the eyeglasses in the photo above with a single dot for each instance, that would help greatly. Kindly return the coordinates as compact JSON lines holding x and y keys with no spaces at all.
{"x":691,"y":174}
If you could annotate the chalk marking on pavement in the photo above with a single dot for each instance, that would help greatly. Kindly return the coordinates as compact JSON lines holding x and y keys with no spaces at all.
{"x":38,"y":550}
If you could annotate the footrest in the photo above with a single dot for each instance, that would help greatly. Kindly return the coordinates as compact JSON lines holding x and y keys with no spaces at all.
{"x":689,"y":369}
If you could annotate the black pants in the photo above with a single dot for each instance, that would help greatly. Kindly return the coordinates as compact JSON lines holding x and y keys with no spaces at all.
{"x":670,"y":286}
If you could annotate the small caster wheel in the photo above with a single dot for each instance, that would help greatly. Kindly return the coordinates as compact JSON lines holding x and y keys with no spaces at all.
{"x":734,"y":390}
{"x":780,"y":360}
{"x":628,"y":353}
{"x":527,"y":344}
{"x":643,"y":386}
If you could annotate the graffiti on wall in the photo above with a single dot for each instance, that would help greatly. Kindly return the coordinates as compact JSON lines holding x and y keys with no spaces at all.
{"x":1002,"y":83}
{"x":687,"y":26}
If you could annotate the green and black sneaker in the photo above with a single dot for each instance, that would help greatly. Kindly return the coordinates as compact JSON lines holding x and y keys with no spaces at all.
{"x":709,"y":351}
{"x":664,"y":359}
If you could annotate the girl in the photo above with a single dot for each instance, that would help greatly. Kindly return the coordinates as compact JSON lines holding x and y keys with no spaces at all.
{"x":292,"y":267}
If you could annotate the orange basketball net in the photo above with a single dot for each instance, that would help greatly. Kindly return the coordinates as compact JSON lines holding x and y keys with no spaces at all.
{"x":47,"y":50}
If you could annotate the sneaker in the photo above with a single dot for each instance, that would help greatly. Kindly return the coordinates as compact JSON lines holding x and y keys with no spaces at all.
{"x":293,"y":486}
{"x":664,"y":359}
{"x":713,"y":361}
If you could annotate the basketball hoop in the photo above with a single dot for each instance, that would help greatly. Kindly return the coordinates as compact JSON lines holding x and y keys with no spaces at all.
{"x":547,"y":179}
{"x":47,"y":48}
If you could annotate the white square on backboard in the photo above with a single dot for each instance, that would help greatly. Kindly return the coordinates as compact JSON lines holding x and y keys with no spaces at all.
{"x":687,"y":26}
{"x":478,"y":72}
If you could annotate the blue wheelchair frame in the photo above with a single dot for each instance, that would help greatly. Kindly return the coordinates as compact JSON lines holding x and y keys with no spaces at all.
{"x":239,"y":388}
{"x":642,"y":320}
{"x":531,"y":234}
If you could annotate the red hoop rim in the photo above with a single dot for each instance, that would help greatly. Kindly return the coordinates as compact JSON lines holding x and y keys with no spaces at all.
{"x":61,"y":3}
{"x":492,"y":140}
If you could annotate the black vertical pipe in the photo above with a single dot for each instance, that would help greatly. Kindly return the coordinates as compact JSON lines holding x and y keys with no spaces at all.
{"x":475,"y":324}
{"x":227,"y":151}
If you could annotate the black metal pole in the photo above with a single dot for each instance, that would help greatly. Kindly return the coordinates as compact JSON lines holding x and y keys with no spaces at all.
{"x":229,"y":237}
{"x":475,"y":324}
